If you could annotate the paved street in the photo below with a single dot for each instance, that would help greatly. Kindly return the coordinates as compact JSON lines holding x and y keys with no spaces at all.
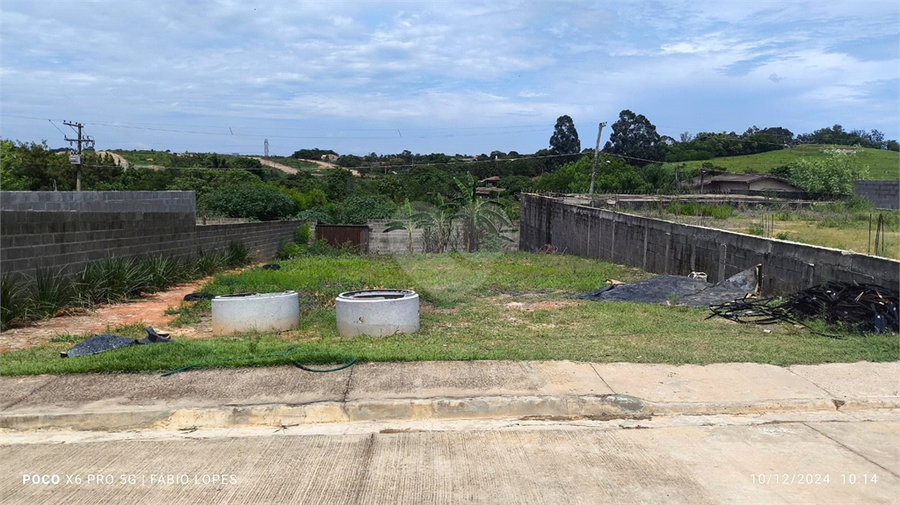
{"x":457,"y":432}
{"x":791,"y":458}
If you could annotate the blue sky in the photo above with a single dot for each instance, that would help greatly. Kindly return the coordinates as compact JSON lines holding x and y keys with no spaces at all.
{"x":451,"y":77}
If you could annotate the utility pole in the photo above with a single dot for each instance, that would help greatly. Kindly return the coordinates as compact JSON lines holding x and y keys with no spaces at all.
{"x":596,"y":153}
{"x":76,"y":160}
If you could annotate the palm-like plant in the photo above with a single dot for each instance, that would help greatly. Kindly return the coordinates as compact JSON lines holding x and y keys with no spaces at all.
{"x":479,"y":217}
{"x":408,"y":220}
{"x":437,"y":225}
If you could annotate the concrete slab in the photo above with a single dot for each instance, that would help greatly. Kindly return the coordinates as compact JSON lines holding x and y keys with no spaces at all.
{"x":878,"y":442}
{"x":731,"y":382}
{"x":14,"y":389}
{"x":192,"y":388}
{"x":781,"y":463}
{"x":854,"y":380}
{"x":458,"y":379}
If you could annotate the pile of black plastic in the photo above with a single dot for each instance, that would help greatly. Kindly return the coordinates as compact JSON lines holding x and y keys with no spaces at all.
{"x":866,"y":308}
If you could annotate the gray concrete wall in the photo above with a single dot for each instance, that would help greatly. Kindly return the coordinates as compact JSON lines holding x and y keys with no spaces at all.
{"x":69,"y":230}
{"x":884,"y":194}
{"x":397,"y":241}
{"x":666,"y":247}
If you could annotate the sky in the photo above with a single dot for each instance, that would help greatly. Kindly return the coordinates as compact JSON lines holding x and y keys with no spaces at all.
{"x":437,"y":77}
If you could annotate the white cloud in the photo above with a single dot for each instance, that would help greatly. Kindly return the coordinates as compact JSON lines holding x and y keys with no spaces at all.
{"x":454,"y":64}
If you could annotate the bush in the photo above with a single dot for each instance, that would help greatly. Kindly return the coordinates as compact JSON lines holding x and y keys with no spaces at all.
{"x":262,"y":203}
{"x":834,"y":174}
{"x":302,"y":235}
{"x":287,"y":250}
{"x":359,"y":209}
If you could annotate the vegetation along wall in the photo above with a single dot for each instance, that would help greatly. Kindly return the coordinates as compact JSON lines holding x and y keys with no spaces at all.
{"x":69,"y":230}
{"x":884,"y":194}
{"x":666,"y":247}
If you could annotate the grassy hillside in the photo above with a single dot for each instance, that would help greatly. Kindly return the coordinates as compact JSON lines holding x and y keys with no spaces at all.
{"x":883,"y":165}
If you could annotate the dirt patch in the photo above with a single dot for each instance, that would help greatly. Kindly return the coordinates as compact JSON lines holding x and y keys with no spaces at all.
{"x":542,"y":305}
{"x":149,"y":311}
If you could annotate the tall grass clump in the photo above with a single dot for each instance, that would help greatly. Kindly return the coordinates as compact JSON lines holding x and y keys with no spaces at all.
{"x":238,"y":255}
{"x":209,"y":262}
{"x":13,"y":300}
{"x":114,"y":280}
{"x":51,"y":291}
{"x":111,"y":280}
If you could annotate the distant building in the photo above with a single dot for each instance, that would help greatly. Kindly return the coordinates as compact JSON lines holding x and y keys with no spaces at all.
{"x":329,"y":157}
{"x":489,"y":187}
{"x":743,"y":184}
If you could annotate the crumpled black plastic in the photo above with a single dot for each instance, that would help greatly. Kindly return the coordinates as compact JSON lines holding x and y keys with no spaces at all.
{"x":103,"y":343}
{"x":678,"y":290}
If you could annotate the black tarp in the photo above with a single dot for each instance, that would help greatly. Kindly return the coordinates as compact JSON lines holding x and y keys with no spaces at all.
{"x":103,"y":343}
{"x":679,"y":290}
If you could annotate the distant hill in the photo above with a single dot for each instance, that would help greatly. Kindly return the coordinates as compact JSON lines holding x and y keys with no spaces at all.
{"x":883,"y":165}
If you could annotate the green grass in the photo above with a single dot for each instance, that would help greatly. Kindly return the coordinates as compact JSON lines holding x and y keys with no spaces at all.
{"x":883,"y":165}
{"x":482,"y":306}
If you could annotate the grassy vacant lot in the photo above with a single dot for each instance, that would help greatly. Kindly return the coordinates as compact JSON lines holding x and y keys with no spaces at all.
{"x":839,"y":225}
{"x":883,"y":165}
{"x":474,"y":306}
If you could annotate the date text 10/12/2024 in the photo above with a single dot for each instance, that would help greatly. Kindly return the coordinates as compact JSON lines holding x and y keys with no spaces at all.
{"x":813,"y":479}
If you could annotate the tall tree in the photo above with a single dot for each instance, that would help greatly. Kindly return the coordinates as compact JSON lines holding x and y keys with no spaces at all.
{"x":565,"y":139}
{"x":633,"y":136}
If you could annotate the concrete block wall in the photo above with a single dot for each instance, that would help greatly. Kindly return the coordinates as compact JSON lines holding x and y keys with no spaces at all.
{"x":392,"y":242}
{"x":884,"y":194}
{"x":666,"y":247}
{"x":262,"y":239}
{"x":397,"y":241}
{"x":67,"y":230}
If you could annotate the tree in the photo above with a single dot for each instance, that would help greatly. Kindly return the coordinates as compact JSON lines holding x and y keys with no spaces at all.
{"x":834,"y":174}
{"x":633,"y":136}
{"x":565,"y":139}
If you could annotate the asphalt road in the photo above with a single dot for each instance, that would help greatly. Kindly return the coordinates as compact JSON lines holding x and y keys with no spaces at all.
{"x":792,"y":458}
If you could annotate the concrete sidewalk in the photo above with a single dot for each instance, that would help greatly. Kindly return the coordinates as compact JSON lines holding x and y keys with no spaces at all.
{"x":288,"y":396}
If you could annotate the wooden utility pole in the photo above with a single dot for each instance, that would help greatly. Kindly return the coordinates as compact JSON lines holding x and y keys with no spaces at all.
{"x":76,"y":160}
{"x":596,"y":152}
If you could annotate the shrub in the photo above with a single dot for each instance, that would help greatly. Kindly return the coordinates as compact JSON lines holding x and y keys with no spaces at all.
{"x":302,"y":235}
{"x":359,"y":209}
{"x":833,"y":174}
{"x":262,"y":203}
{"x":318,"y":214}
{"x":287,"y":250}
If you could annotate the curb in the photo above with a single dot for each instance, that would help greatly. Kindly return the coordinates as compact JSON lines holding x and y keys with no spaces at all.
{"x":549,"y":408}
